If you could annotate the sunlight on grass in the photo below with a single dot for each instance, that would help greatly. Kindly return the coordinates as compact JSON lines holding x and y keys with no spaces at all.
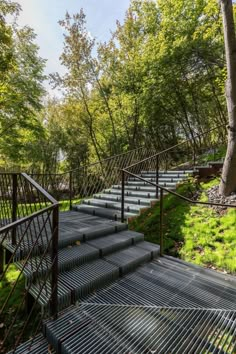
{"x":195,"y":233}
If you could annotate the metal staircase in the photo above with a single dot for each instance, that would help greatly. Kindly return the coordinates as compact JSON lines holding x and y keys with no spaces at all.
{"x":139,"y":195}
{"x":114,"y":293}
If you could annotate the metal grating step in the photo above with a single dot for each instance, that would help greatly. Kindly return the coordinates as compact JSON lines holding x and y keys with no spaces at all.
{"x":103,"y":212}
{"x":129,"y":200}
{"x":115,"y":242}
{"x":151,"y":247}
{"x":161,"y":183}
{"x":68,"y":257}
{"x":113,"y":205}
{"x":166,"y":178}
{"x":159,"y":283}
{"x":147,"y":188}
{"x":129,"y":259}
{"x":94,"y":328}
{"x":132,"y":193}
{"x":168,"y":172}
{"x":37,"y":345}
{"x":76,"y":283}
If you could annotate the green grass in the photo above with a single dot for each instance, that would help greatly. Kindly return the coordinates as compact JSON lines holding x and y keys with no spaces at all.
{"x":15,"y":307}
{"x":195,"y":233}
{"x":27,"y":209}
{"x":219,"y":155}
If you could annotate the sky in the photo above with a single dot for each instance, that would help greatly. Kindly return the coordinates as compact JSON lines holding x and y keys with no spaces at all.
{"x":43,"y":17}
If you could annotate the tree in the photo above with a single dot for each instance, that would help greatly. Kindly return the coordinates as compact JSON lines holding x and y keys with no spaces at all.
{"x":21,"y":88}
{"x":228,"y":180}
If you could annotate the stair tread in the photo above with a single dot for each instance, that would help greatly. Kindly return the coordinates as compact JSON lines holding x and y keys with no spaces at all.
{"x":76,"y":282}
{"x":68,"y":257}
{"x":112,"y":205}
{"x":128,"y":259}
{"x":105,"y":212}
{"x":116,"y":241}
{"x":134,"y":200}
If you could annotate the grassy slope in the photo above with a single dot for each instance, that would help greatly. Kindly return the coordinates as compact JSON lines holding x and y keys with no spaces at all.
{"x":195,"y":233}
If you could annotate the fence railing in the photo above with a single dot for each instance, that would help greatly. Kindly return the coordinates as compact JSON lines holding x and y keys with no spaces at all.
{"x":72,"y":186}
{"x":28,"y":254}
{"x":185,"y":155}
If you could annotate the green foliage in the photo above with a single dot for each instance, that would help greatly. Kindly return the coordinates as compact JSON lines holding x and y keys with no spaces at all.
{"x":21,"y":90}
{"x":195,"y":233}
{"x":153,"y":81}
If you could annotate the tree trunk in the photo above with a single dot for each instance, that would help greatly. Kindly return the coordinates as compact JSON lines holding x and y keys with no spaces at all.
{"x":228,"y":180}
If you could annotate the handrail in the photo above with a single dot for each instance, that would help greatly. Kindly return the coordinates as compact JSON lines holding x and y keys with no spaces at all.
{"x":124,"y":171}
{"x":174,"y":146}
{"x":177,"y":194}
{"x":125,"y":153}
{"x":40,"y":189}
{"x":88,"y":165}
{"x":21,"y":221}
{"x":29,"y":239}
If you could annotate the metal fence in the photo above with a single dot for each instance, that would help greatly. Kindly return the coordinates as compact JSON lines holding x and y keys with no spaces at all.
{"x":28,"y":254}
{"x":72,"y":186}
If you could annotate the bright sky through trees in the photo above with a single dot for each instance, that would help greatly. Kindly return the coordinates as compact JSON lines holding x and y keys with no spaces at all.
{"x":43,"y":17}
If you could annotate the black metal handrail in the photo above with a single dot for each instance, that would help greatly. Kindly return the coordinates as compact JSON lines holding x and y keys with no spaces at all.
{"x":89,"y":179}
{"x":173,"y":154}
{"x":162,"y":189}
{"x":178,"y":145}
{"x":84,"y":181}
{"x":29,"y":218}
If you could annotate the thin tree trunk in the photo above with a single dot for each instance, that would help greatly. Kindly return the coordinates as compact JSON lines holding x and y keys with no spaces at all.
{"x":228,"y":180}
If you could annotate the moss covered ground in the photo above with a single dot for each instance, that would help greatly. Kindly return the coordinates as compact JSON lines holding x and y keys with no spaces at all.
{"x":194,"y":233}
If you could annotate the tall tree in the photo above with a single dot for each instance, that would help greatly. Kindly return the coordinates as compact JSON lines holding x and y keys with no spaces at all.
{"x":21,"y":87}
{"x":228,"y":180}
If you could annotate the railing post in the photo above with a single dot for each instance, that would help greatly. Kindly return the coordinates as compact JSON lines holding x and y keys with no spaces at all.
{"x":161,"y":223}
{"x":14,"y":206}
{"x":122,"y":196}
{"x":70,"y":186}
{"x":54,"y":258}
{"x":1,"y":260}
{"x":157,"y":176}
{"x":194,"y":154}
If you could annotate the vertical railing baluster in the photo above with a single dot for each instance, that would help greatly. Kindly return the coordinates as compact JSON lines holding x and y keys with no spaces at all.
{"x":194,"y":153}
{"x":122,"y":196}
{"x":1,"y":260}
{"x":157,"y":176}
{"x":70,"y":191}
{"x":161,"y":223}
{"x":14,"y":206}
{"x":54,"y":258}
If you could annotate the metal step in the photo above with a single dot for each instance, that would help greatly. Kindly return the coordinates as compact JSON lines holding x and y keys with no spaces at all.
{"x":168,"y":172}
{"x":141,"y":183}
{"x":132,"y":193}
{"x":37,"y":345}
{"x":68,"y":257}
{"x":78,"y":282}
{"x":170,"y":178}
{"x":103,"y":212}
{"x":111,"y":205}
{"x":168,"y":283}
{"x":148,"y":188}
{"x":129,"y":259}
{"x":128,"y":200}
{"x":113,"y":329}
{"x":115,"y":242}
{"x":67,"y":238}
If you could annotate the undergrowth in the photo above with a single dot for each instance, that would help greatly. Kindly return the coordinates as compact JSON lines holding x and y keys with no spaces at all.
{"x":193,"y":232}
